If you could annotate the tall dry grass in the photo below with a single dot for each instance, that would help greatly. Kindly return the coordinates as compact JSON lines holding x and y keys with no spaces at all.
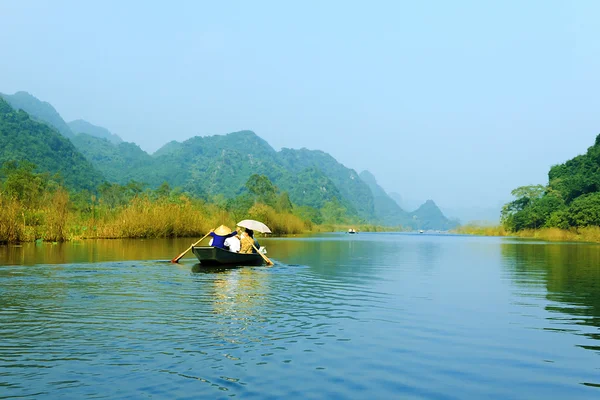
{"x":280,"y":223}
{"x":11,"y":221}
{"x":481,"y":230}
{"x":145,"y":218}
{"x":583,"y":234}
{"x":57,"y":216}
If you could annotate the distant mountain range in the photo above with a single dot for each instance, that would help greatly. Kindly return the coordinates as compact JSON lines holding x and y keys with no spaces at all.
{"x":207,"y":166}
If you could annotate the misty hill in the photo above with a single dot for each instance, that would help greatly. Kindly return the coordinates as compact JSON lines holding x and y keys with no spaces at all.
{"x":351,"y":187}
{"x":387,"y":211}
{"x":429,"y":216}
{"x":38,"y":110}
{"x":81,"y":126}
{"x":22,"y":138}
{"x":119,"y":163}
{"x":220,"y":165}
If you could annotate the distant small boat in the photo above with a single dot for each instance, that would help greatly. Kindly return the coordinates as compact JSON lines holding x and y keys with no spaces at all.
{"x":351,"y":230}
{"x":421,"y":231}
{"x":208,"y":255}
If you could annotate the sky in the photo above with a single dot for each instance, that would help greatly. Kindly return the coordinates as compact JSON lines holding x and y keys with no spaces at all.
{"x":455,"y":101}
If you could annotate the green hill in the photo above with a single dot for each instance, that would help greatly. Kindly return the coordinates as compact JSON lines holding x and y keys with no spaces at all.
{"x":571,"y":198}
{"x":212,"y":166}
{"x":38,"y":110}
{"x":81,"y":126}
{"x":388,"y":212}
{"x":349,"y":184}
{"x":429,"y":216}
{"x":22,"y":138}
{"x":119,"y":163}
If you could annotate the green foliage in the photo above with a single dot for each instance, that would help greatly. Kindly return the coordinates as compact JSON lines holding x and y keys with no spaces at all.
{"x":309,"y":214}
{"x":239,"y":206}
{"x":81,"y":126}
{"x":114,"y":195}
{"x":578,"y":176}
{"x":40,"y":111}
{"x":284,"y":204}
{"x":333,"y":212}
{"x":534,"y":208}
{"x":572,"y":198}
{"x":585,"y":210}
{"x":119,"y":163}
{"x":351,"y":188}
{"x":262,"y":188}
{"x":23,"y":139}
{"x":23,"y":183}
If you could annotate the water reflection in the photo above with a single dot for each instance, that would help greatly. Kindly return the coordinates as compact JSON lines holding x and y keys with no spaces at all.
{"x":570,"y":275}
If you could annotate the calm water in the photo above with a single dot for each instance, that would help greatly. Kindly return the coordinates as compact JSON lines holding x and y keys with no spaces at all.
{"x":367,"y":316}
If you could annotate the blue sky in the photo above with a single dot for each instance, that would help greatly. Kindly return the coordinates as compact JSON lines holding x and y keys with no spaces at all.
{"x":455,"y":101}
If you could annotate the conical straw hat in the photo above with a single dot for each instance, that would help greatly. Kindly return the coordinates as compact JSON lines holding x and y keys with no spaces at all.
{"x":222,"y":230}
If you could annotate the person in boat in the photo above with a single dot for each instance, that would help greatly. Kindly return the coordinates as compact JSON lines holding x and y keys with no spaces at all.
{"x":233,"y":244}
{"x":247,"y":240}
{"x":219,"y":235}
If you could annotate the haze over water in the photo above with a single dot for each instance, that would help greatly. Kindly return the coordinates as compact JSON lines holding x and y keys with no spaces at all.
{"x":338,"y":316}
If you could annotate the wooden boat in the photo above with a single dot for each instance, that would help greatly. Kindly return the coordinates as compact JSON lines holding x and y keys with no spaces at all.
{"x":208,"y":255}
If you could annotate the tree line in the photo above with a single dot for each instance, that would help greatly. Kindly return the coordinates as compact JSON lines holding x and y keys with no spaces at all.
{"x":570,"y":200}
{"x":38,"y":206}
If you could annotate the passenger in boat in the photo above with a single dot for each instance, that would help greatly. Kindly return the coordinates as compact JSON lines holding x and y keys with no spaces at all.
{"x":247,"y":239}
{"x":233,"y":244}
{"x":219,"y":235}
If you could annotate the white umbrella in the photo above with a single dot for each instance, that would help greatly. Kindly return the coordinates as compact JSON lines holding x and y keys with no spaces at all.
{"x":254,"y":225}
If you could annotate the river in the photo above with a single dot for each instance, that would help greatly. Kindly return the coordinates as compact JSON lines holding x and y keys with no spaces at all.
{"x":365,"y":316}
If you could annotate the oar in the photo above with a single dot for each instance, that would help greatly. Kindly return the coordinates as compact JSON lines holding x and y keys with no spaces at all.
{"x":269,"y":262}
{"x":183,"y":254}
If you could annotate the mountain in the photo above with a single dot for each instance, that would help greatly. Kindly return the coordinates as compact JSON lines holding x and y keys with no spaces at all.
{"x":209,"y":166}
{"x":22,"y":138}
{"x":119,"y":163}
{"x":38,"y":110}
{"x":429,"y":216}
{"x":479,"y":215}
{"x":81,"y":126}
{"x":219,"y":164}
{"x":387,"y":211}
{"x":397,"y":198}
{"x":351,"y":187}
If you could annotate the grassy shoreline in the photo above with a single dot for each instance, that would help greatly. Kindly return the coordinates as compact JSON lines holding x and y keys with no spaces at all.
{"x":583,"y":234}
{"x":56,"y":219}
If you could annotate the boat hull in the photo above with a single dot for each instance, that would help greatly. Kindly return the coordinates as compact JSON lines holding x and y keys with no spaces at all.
{"x":208,"y":255}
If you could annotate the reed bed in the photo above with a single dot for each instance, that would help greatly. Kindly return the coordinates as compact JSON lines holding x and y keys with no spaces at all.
{"x":581,"y":234}
{"x":481,"y":230}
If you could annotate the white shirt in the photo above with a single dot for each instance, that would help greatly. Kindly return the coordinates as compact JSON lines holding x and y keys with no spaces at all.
{"x":233,"y":243}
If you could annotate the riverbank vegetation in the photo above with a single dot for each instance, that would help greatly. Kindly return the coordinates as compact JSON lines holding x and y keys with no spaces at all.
{"x":36,"y":206}
{"x":581,"y":234}
{"x":566,"y":209}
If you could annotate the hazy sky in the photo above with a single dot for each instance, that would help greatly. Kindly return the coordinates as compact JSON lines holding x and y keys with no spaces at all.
{"x":457,"y":101}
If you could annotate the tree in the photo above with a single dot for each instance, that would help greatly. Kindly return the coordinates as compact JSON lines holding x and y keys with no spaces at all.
{"x":585,"y":210}
{"x":519,"y":214}
{"x":262,"y":188}
{"x":284,"y":204}
{"x":333,"y":212}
